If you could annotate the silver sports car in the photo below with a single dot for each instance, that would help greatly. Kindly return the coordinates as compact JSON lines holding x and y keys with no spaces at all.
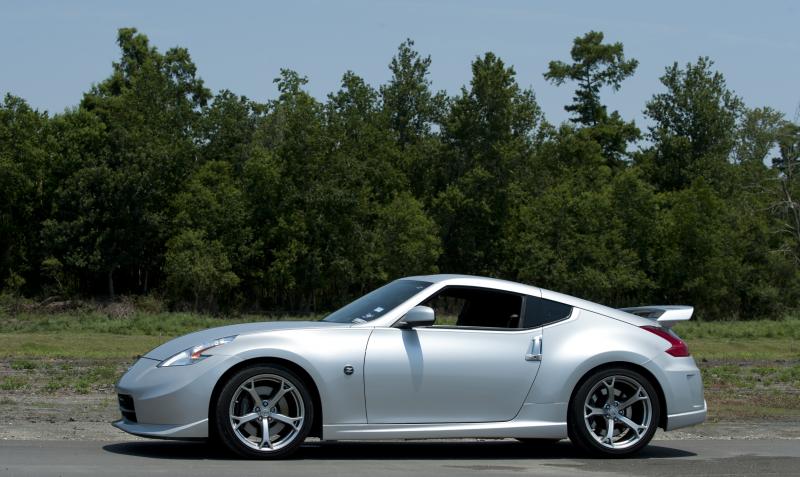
{"x":440,"y":356}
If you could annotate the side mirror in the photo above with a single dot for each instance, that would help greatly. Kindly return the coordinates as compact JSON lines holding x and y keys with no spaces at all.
{"x":417,"y":316}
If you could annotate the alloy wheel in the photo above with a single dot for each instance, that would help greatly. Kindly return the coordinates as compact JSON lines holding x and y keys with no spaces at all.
{"x":267,"y":412}
{"x":618,"y":412}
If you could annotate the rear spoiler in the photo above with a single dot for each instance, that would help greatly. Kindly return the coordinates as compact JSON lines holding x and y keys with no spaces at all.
{"x":667,"y":315}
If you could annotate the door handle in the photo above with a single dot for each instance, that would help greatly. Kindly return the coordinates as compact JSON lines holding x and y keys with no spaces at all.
{"x":536,"y":350}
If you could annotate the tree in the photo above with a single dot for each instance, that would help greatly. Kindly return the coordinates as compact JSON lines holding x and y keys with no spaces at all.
{"x":569,"y":223}
{"x":407,"y":240}
{"x":111,"y":214}
{"x":757,"y":135}
{"x":597,"y":65}
{"x":227,"y":127}
{"x":694,"y":130}
{"x":488,"y":137}
{"x":787,"y":202}
{"x":594,"y":65}
{"x":198,"y":267}
{"x":213,"y":203}
{"x":23,"y":172}
{"x":407,"y":98}
{"x":412,"y":110}
{"x":301,"y":204}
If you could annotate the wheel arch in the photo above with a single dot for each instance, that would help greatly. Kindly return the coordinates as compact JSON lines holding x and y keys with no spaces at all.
{"x":662,"y":418}
{"x":313,"y":389}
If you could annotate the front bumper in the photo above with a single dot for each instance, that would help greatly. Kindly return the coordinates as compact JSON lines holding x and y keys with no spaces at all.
{"x":171,"y":402}
{"x":195,"y":430}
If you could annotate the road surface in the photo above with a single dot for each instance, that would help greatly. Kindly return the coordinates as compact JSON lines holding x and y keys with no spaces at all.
{"x":779,"y":457}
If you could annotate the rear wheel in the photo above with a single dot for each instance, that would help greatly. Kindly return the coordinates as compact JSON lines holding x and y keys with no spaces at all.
{"x":614,"y":413}
{"x":264,"y":411}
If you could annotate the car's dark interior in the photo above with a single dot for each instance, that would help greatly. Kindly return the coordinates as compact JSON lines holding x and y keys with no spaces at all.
{"x":484,"y":308}
{"x":478,"y":307}
{"x":540,"y":312}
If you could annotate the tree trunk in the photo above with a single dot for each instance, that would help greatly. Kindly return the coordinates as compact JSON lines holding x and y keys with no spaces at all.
{"x":111,"y":283}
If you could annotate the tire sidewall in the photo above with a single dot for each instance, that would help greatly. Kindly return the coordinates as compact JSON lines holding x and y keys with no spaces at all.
{"x":575,"y":422}
{"x":224,"y":431}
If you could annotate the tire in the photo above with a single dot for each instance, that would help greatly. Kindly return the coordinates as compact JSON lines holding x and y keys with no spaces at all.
{"x":633,"y":413}
{"x":284,"y":406}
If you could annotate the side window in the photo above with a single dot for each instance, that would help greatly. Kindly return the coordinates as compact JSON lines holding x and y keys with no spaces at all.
{"x":476,"y":307}
{"x":539,"y":312}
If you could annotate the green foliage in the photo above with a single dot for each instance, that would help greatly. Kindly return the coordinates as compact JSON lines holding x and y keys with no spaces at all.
{"x":489,"y":136}
{"x":154,"y":188}
{"x":573,"y":236}
{"x":594,"y":65}
{"x":597,"y":65}
{"x":694,"y":131}
{"x":23,"y":171}
{"x":140,"y":322}
{"x":741,"y":330}
{"x":786,"y":199}
{"x":197,"y":267}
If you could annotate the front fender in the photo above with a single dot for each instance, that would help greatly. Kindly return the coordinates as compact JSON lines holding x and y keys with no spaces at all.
{"x":323,"y":354}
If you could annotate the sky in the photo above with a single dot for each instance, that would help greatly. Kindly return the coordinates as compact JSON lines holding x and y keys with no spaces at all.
{"x":53,"y":51}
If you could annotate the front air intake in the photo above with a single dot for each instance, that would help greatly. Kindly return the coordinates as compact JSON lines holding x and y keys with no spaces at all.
{"x":126,"y":407}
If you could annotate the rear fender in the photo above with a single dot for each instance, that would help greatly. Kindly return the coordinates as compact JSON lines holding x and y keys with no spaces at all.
{"x":572,"y":348}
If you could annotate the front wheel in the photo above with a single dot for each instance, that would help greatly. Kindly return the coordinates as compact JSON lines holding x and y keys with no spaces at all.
{"x":614,"y":413}
{"x":264,"y":411}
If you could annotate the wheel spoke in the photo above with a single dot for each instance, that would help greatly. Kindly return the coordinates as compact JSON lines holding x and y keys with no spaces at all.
{"x":265,"y":440}
{"x":253,"y":393}
{"x":284,"y":388}
{"x":631,"y":425}
{"x":295,"y":422}
{"x":609,"y":438}
{"x":593,"y":411}
{"x":240,"y":420}
{"x":639,"y":396}
{"x":610,"y":390}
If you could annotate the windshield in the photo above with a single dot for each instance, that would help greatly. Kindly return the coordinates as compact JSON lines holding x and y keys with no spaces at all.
{"x":377,"y":302}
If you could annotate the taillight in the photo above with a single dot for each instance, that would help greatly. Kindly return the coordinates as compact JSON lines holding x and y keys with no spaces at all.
{"x":677,"y":347}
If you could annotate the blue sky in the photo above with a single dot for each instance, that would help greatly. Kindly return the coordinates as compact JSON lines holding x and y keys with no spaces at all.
{"x":52,"y":51}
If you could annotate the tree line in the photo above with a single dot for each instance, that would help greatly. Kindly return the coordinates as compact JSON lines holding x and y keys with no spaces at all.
{"x":152,"y":184}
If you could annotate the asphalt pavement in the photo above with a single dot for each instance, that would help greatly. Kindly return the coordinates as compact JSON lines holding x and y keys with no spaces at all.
{"x":418,"y":458}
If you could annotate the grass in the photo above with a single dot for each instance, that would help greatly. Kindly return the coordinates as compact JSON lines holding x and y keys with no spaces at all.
{"x":82,"y":379}
{"x":23,"y":364}
{"x":740,"y":330}
{"x":149,"y":324}
{"x":22,"y":346}
{"x":751,"y":369}
{"x":751,"y":349}
{"x":13,"y":383}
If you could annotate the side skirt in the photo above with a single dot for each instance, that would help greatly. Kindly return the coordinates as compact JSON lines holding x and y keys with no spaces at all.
{"x":534,"y":421}
{"x":521,"y":429}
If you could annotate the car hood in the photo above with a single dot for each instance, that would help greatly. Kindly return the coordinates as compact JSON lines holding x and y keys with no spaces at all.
{"x":181,"y":343}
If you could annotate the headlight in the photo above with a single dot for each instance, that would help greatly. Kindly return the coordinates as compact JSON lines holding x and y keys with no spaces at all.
{"x":195,"y":353}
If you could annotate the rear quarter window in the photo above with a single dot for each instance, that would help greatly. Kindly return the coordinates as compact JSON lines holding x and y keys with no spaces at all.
{"x":540,"y":312}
